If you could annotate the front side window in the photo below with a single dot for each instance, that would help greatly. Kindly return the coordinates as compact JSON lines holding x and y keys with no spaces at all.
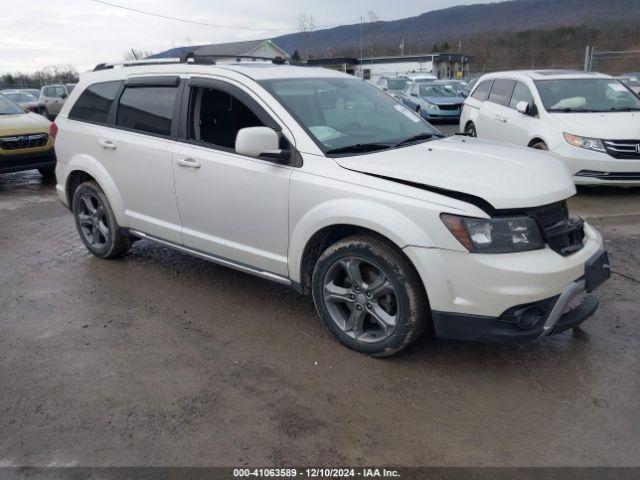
{"x":521,"y":94}
{"x":216,"y":117}
{"x":586,"y":95}
{"x":147,"y":109}
{"x":94,"y":103}
{"x":482,"y":92}
{"x":348,"y":115}
{"x":501,"y":92}
{"x":7,"y":107}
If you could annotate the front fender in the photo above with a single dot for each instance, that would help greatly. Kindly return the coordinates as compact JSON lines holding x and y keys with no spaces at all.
{"x":378,"y":217}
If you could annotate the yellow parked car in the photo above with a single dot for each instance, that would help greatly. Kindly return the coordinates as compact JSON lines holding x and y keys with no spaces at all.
{"x":26,"y":140}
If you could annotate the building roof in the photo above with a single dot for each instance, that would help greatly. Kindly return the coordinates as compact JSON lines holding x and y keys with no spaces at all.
{"x":236,"y":49}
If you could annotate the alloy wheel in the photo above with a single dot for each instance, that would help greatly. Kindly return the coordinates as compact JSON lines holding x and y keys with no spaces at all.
{"x":360,"y":299}
{"x":93,"y":220}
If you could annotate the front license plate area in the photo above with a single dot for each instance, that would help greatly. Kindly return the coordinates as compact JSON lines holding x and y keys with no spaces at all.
{"x":597,"y":270}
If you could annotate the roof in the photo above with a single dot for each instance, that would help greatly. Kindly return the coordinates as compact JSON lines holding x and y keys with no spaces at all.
{"x":236,"y":49}
{"x":545,"y":74}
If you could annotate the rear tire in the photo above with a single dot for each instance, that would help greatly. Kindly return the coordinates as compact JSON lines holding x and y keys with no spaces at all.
{"x":369,"y":296}
{"x":96,"y":223}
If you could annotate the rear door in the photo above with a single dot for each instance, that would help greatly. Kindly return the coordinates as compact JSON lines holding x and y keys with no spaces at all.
{"x":137,"y":152}
{"x":515,"y":129}
{"x":54,"y":98}
{"x":492,"y":113}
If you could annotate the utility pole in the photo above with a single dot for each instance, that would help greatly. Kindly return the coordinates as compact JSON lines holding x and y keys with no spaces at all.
{"x":588,"y":58}
{"x":362,"y":47}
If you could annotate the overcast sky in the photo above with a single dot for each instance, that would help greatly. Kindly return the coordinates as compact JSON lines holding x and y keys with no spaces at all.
{"x":82,"y":33}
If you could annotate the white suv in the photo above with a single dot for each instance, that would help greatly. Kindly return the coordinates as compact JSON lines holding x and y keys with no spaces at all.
{"x":320,"y":181}
{"x":589,"y":121}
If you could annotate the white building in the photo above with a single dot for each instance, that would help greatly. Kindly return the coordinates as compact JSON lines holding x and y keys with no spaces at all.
{"x":442,"y":65}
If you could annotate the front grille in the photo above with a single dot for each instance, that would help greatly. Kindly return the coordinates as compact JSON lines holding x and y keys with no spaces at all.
{"x":563,"y":234}
{"x":623,"y":149}
{"x":610,"y":176}
{"x":449,"y":107}
{"x":24,"y":141}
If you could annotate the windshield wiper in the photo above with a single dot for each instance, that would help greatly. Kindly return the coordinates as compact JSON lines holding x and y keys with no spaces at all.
{"x":624,"y":109}
{"x":416,"y":138}
{"x":360,"y":147}
{"x":575,"y":110}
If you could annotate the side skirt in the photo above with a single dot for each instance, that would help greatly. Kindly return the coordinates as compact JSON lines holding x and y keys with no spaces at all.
{"x":215,"y":259}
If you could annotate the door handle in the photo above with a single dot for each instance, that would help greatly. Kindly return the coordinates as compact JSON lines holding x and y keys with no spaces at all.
{"x":188,"y":162}
{"x":501,"y":118}
{"x":108,"y":144}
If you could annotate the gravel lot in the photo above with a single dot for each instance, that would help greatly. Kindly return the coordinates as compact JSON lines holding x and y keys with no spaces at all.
{"x":163,"y":359}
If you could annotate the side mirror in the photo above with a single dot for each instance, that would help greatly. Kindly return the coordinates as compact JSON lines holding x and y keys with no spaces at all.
{"x":414,"y":95}
{"x":260,"y":142}
{"x":523,"y":108}
{"x":63,"y":96}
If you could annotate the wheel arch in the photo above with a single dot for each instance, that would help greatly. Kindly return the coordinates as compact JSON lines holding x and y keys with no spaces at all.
{"x":537,"y":139}
{"x":81,"y":169}
{"x":315,"y":232}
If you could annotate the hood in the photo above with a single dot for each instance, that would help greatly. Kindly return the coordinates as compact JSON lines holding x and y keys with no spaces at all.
{"x":23,"y":123}
{"x":607,"y":126}
{"x":444,"y":100}
{"x":506,"y":177}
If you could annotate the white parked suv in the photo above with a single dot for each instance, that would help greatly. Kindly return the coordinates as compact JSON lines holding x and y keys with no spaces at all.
{"x":590,"y":121}
{"x":320,"y":181}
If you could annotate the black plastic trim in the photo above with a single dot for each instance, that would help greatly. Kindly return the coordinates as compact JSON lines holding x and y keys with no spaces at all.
{"x":164,"y":81}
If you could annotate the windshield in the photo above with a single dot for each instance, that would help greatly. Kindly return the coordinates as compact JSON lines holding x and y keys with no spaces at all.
{"x":348,"y":113}
{"x":7,"y":107}
{"x":397,"y":84}
{"x":437,"y":91}
{"x":21,"y":97}
{"x":586,"y":95}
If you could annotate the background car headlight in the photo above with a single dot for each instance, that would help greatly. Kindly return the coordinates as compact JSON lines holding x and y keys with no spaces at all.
{"x":431,"y":106}
{"x":585,"y":142}
{"x":495,"y":235}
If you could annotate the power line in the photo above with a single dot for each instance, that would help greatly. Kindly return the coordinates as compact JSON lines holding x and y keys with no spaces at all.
{"x":205,"y":24}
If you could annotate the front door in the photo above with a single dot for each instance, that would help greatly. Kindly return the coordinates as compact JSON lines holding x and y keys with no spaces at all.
{"x":516,"y":127}
{"x":232,"y":207}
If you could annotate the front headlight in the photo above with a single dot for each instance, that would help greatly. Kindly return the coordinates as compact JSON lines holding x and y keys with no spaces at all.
{"x":431,"y":106}
{"x":585,"y":142}
{"x":495,"y":235}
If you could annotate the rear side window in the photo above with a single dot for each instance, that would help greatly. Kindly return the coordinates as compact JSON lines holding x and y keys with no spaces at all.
{"x":482,"y":92}
{"x":94,"y":103}
{"x":501,"y":92}
{"x":147,"y":109}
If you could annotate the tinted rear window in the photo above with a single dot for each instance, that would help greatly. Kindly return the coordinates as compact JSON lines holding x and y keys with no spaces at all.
{"x":502,"y":91}
{"x":147,"y":109}
{"x":482,"y":92}
{"x":94,"y":103}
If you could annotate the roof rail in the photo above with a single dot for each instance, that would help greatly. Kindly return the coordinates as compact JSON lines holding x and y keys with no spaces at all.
{"x":187,"y":58}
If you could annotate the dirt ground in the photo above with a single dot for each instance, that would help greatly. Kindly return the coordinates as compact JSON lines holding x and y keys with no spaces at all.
{"x":164,"y":359}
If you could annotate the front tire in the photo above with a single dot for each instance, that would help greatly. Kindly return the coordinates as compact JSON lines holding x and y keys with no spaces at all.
{"x":369,"y":296}
{"x":470,"y":130}
{"x":540,"y":145}
{"x":96,"y":223}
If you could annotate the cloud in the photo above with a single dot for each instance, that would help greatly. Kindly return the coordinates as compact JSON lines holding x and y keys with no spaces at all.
{"x":84,"y":33}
